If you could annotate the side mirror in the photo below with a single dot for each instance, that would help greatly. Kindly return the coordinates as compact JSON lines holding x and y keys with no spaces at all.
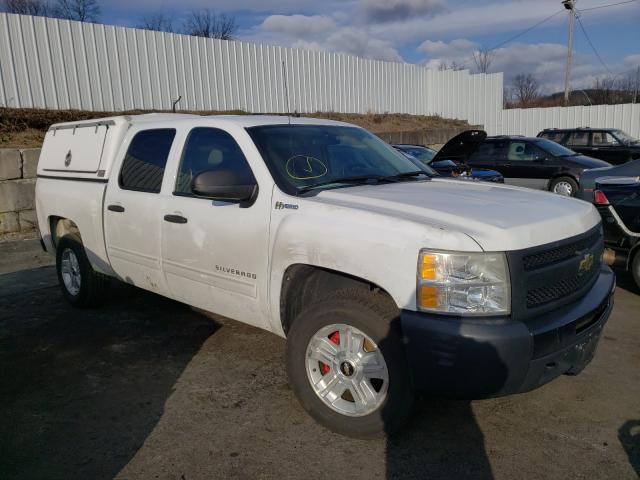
{"x":225,"y":185}
{"x":539,"y":159}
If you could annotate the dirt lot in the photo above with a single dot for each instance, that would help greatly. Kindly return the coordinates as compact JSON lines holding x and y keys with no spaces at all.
{"x":148,"y":388}
{"x":25,"y":128}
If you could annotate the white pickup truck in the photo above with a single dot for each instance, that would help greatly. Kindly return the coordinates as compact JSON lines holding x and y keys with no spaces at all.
{"x":383,"y":279}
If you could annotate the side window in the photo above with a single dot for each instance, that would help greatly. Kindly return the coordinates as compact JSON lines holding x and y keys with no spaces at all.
{"x":553,"y":136}
{"x":522,"y":152}
{"x":578,"y":139}
{"x":209,"y":149}
{"x":143,"y":166}
{"x":603,"y":139}
{"x":487,"y":151}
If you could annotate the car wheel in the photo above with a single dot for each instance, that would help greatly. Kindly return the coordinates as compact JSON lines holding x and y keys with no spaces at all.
{"x":81,"y":285}
{"x":565,"y":186}
{"x":346,"y":364}
{"x":635,"y":268}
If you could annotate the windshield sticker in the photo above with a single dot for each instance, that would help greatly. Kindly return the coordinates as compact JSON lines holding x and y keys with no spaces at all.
{"x":304,"y":167}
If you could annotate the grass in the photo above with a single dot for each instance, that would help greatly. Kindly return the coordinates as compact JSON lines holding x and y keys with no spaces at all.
{"x":25,"y":128}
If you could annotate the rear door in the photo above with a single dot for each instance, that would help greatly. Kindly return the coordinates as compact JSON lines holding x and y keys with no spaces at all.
{"x":133,"y":208}
{"x":490,"y":154}
{"x":606,"y":147}
{"x":579,"y":141}
{"x":215,"y":254}
{"x":526,"y":165}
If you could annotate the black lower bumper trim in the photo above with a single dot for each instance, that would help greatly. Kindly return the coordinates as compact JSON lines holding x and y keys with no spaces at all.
{"x":477,"y":358}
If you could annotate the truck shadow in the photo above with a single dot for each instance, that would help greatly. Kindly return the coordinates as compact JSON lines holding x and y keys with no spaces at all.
{"x":443,"y":438}
{"x":82,"y":389}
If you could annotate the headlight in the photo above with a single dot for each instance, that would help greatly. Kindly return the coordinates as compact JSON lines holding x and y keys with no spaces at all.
{"x":463,"y":283}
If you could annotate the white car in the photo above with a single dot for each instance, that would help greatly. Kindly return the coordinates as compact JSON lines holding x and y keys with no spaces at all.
{"x":383,"y":280}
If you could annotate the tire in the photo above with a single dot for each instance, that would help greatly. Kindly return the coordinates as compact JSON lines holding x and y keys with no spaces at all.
{"x":635,"y":268}
{"x":81,"y":285}
{"x":363,"y":314}
{"x":564,"y":184}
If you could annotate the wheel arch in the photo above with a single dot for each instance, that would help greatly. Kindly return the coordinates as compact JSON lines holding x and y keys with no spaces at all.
{"x":303,"y":284}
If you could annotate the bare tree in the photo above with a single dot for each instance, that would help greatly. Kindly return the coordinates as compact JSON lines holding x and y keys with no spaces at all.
{"x":207,"y":23}
{"x":451,"y":66}
{"x":80,"y":10}
{"x":526,"y":88}
{"x":483,"y":59}
{"x":27,"y":7}
{"x":159,"y":22}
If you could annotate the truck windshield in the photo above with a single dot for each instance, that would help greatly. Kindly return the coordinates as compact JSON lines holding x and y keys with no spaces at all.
{"x":306,"y":157}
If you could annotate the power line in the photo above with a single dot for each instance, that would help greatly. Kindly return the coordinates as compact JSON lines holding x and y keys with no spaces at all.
{"x":524,"y":32}
{"x":584,"y":31}
{"x":606,"y":6}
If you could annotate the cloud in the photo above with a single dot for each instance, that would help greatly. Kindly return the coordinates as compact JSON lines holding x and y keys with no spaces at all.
{"x":392,"y":10}
{"x":316,"y":32}
{"x":299,"y":25}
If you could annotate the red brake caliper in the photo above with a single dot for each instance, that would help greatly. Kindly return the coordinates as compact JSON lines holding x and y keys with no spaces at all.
{"x":335,"y":338}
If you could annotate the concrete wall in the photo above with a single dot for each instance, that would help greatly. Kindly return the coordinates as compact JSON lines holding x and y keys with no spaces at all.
{"x":17,"y":189}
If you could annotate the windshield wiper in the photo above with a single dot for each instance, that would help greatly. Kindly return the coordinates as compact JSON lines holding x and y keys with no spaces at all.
{"x":359,"y":180}
{"x":364,"y":180}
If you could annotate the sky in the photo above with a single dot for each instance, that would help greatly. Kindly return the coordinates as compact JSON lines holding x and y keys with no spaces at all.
{"x":431,"y":32}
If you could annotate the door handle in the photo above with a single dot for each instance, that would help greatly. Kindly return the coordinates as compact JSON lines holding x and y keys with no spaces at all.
{"x":175,"y":219}
{"x":116,"y":208}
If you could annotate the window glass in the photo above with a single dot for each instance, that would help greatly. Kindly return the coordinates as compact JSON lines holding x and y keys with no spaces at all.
{"x":308,"y":156}
{"x":554,"y":148}
{"x":488,"y":151}
{"x":522,"y":152}
{"x":578,"y":139}
{"x":603,"y":138}
{"x":143,"y":166}
{"x":210,"y":149}
{"x":553,"y":136}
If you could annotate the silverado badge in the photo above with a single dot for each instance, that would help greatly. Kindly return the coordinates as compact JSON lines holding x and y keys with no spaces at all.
{"x":586,"y":263}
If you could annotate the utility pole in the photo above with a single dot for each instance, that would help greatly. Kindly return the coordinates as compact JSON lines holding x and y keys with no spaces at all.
{"x":570,"y":6}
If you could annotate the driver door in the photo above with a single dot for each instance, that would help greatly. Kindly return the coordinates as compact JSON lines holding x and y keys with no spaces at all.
{"x":214,"y":253}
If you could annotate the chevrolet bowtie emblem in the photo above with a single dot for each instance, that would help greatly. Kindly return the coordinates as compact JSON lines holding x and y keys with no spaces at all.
{"x":586,"y":263}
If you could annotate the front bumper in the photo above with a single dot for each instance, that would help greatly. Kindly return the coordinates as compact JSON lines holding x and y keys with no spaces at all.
{"x":478,"y":358}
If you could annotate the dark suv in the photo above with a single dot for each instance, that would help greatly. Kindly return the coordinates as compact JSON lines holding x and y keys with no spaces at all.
{"x":533,"y":162}
{"x":609,"y":144}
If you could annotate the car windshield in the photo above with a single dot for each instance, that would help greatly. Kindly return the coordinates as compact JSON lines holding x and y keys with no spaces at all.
{"x":423,"y":154}
{"x":554,"y":148}
{"x":624,"y":137}
{"x":304,"y":157}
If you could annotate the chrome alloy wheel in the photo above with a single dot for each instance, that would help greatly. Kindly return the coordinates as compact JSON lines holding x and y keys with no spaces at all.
{"x":346,"y":370}
{"x":70,"y":269}
{"x":563,"y":188}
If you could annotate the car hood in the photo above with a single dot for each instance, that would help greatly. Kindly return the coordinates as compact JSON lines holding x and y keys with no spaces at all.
{"x":588,"y":162}
{"x":460,"y":147}
{"x":498,"y":218}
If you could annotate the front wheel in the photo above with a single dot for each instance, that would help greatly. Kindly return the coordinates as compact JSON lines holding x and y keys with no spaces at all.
{"x":346,"y":364}
{"x":565,"y":186}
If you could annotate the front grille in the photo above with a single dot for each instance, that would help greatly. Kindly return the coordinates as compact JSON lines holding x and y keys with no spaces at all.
{"x":554,"y":255}
{"x":559,"y":289}
{"x":552,"y":275}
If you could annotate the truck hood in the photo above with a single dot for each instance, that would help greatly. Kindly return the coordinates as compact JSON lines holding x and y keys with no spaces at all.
{"x":498,"y":218}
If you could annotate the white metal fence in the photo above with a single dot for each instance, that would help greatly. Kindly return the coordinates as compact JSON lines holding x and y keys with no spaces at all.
{"x":60,"y":64}
{"x":530,"y":121}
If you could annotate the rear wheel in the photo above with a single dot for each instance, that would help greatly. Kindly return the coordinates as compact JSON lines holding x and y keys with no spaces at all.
{"x":81,"y":285}
{"x":635,"y":268}
{"x":565,"y":186}
{"x":346,"y":364}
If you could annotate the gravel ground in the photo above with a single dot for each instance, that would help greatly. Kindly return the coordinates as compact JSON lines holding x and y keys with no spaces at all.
{"x":145,"y":387}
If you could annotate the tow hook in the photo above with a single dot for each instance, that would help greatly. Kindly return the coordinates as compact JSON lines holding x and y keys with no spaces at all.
{"x":613,"y":259}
